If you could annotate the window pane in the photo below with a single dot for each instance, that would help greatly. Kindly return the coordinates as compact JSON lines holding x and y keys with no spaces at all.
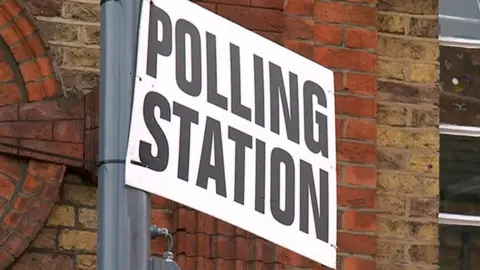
{"x":459,"y":247}
{"x":459,"y":18}
{"x":460,"y":86}
{"x":460,"y":175}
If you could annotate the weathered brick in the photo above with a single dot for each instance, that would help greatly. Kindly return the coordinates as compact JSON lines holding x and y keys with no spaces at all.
{"x":392,"y":70}
{"x":44,"y":262}
{"x":394,"y":24}
{"x":392,"y":159}
{"x":58,"y":31}
{"x":82,"y":57}
{"x":50,"y":8}
{"x":421,"y":27}
{"x":392,"y":182}
{"x":405,"y":48}
{"x":78,"y":240}
{"x":392,"y":252}
{"x":423,"y":73}
{"x":80,"y":194}
{"x":408,"y":93}
{"x":62,"y":216}
{"x":82,"y":11}
{"x":425,"y":163}
{"x":424,"y":207}
{"x":425,"y":7}
{"x":88,"y":218}
{"x":46,"y":239}
{"x":403,"y":138}
{"x":391,"y":115}
{"x":86,"y":262}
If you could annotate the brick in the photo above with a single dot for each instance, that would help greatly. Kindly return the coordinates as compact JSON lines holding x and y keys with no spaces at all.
{"x":287,"y":257}
{"x":391,"y":204}
{"x":58,"y":31}
{"x":355,"y":106}
{"x":82,"y":11}
{"x":345,"y":59}
{"x":352,"y":263}
{"x":299,"y":7}
{"x":328,"y":34}
{"x":407,"y":139}
{"x":424,"y":207}
{"x":91,"y":34}
{"x":338,"y":81}
{"x":7,"y":188}
{"x":339,"y":127}
{"x":361,"y":83}
{"x":11,"y":8}
{"x":420,"y":27}
{"x":356,"y":197}
{"x":424,"y":73}
{"x":86,"y":262}
{"x":10,"y":34}
{"x":425,"y":163}
{"x":186,"y":243}
{"x":11,"y":94}
{"x":423,"y":254}
{"x":392,"y":182}
{"x":68,"y":131}
{"x":25,"y":26}
{"x":5,"y":259}
{"x":408,"y":93}
{"x":354,"y":243}
{"x":394,"y":24}
{"x":44,"y":262}
{"x":424,"y":117}
{"x":405,"y":48}
{"x":45,"y":170}
{"x":82,"y":57}
{"x":9,"y":113}
{"x":275,"y":4}
{"x":359,"y":221}
{"x":205,"y":223}
{"x":361,"y":38}
{"x":391,"y":252}
{"x":424,"y":7}
{"x":302,"y":48}
{"x":356,"y":152}
{"x":253,"y":18}
{"x":163,"y":219}
{"x":78,"y":240}
{"x":15,"y":244}
{"x":392,"y":70}
{"x":65,"y":149}
{"x":392,"y":159}
{"x":46,"y":239}
{"x":80,"y":194}
{"x":391,"y":115}
{"x":363,"y":176}
{"x":88,"y":218}
{"x":298,"y":28}
{"x":28,"y":130}
{"x":7,"y":73}
{"x":360,"y":129}
{"x":395,"y":228}
{"x":338,"y":12}
{"x":60,"y":109}
{"x":49,"y":8}
{"x":62,"y":216}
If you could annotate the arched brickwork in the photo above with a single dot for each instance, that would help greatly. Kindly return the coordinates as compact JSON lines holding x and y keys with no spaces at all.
{"x":28,"y":188}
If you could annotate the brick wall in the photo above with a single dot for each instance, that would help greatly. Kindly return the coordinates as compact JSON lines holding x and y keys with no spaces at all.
{"x":407,"y":137}
{"x":387,"y":139}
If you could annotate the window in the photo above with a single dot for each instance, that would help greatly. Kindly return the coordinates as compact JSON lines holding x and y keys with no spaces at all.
{"x":459,"y":85}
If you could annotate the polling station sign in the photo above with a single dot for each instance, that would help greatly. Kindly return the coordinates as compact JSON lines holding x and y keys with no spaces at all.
{"x":236,"y":126}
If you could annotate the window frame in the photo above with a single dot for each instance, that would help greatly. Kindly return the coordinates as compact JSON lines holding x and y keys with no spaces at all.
{"x":458,"y":130}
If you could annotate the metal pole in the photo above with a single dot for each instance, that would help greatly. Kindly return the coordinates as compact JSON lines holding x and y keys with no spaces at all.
{"x":138,"y":201}
{"x":121,"y":245}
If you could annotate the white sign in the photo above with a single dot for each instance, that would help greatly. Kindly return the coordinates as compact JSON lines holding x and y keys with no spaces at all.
{"x":235,"y":126}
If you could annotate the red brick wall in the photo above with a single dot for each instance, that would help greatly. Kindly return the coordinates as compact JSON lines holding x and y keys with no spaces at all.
{"x":341,"y":36}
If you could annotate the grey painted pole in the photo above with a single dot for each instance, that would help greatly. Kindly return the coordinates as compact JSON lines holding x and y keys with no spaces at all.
{"x":138,"y":201}
{"x":118,"y":57}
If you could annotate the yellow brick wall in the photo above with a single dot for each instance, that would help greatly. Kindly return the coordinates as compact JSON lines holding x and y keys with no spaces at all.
{"x":407,"y":137}
{"x":69,"y":239}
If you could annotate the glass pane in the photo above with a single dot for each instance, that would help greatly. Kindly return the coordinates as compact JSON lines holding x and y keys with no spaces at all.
{"x":459,"y":18}
{"x":459,"y":247}
{"x":459,"y":175}
{"x":460,"y":86}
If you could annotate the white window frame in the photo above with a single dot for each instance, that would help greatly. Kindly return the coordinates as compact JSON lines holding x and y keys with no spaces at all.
{"x":457,"y":130}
